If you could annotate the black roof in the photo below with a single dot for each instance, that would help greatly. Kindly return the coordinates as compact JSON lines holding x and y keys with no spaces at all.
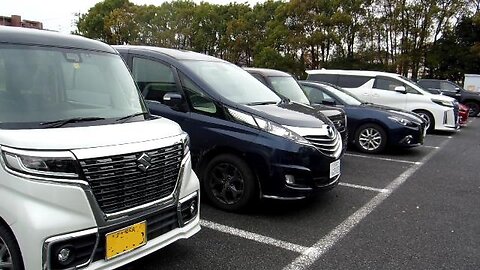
{"x":268,"y":72}
{"x":18,"y":35}
{"x":174,"y":53}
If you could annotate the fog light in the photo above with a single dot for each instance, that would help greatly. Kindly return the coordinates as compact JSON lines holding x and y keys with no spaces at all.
{"x":290,"y":179}
{"x":65,"y":255}
{"x":193,"y":207}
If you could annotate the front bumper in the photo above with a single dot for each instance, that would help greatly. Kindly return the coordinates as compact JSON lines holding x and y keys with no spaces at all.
{"x":307,"y":169}
{"x":42,"y":213}
{"x":402,"y":136}
{"x":446,"y":119}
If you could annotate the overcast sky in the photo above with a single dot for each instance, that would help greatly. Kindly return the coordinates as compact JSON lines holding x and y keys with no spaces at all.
{"x":60,"y":14}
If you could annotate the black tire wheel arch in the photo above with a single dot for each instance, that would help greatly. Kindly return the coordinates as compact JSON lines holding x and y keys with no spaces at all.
{"x":369,"y":131}
{"x":10,"y":255}
{"x":428,"y":114}
{"x":229,"y":183}
{"x":474,"y":107}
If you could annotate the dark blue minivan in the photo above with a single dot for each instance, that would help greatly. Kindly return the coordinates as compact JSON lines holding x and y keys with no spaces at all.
{"x":246,"y":142}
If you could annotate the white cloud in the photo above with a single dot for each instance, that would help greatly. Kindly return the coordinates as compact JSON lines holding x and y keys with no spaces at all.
{"x":59,"y":15}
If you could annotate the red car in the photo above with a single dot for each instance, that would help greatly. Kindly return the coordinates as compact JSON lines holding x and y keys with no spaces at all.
{"x":463,"y":115}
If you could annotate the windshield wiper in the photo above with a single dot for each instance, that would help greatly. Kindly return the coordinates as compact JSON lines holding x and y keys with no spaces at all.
{"x":261,"y":103}
{"x":126,"y":118}
{"x":60,"y":123}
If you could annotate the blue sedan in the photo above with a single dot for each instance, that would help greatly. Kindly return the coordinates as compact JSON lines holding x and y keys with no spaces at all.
{"x":371,"y":128}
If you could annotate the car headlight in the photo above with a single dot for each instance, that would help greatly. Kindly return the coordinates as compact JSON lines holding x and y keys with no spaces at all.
{"x":267,"y":126}
{"x":401,"y":121}
{"x":46,"y":164}
{"x":443,"y":102}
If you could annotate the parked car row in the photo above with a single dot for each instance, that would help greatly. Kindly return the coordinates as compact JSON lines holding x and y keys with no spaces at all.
{"x":468,"y":98}
{"x":111,"y":157}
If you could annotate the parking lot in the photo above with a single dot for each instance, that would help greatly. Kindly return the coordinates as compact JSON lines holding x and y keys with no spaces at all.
{"x":414,"y":209}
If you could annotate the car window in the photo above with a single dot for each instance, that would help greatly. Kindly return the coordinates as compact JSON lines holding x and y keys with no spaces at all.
{"x":154,"y":78}
{"x":352,"y":81}
{"x":288,"y":87}
{"x":43,"y":84}
{"x":3,"y":83}
{"x":385,"y":83}
{"x":428,"y":84}
{"x":330,"y":78}
{"x":447,"y":86}
{"x":231,"y":82}
{"x":317,"y":96}
{"x":199,"y":101}
{"x":259,"y":77}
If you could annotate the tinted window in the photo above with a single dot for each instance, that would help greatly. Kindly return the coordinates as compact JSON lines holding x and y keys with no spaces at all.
{"x":317,"y":95}
{"x":154,"y":79}
{"x":447,"y":86}
{"x":199,"y":101}
{"x":385,"y":83}
{"x":428,"y":84}
{"x":330,"y":78}
{"x":352,"y":81}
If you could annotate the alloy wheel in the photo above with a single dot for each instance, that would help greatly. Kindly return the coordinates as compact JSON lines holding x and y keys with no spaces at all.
{"x":370,"y":139}
{"x":227,"y":183}
{"x":5,"y":256}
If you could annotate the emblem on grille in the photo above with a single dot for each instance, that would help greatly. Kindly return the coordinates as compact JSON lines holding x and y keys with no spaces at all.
{"x":144,"y":162}
{"x":330,"y":132}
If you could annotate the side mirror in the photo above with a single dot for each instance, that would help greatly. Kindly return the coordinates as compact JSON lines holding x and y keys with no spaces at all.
{"x":400,"y":89}
{"x":173,"y":100}
{"x":457,"y":89}
{"x":329,"y":102}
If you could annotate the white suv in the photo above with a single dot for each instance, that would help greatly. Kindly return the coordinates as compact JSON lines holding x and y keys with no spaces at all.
{"x":390,"y":89}
{"x":88,"y":178}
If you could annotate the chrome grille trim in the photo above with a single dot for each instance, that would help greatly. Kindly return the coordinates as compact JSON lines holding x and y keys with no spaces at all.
{"x":328,"y":146}
{"x":119,"y":185}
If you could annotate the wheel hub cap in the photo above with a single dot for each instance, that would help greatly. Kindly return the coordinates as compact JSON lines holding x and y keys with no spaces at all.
{"x":370,"y":139}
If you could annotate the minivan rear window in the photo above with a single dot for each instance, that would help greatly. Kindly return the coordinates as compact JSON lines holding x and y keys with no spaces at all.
{"x":330,"y":78}
{"x":352,"y":81}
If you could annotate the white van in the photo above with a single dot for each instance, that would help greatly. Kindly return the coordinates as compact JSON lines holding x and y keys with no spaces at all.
{"x":390,"y":89}
{"x":88,"y":178}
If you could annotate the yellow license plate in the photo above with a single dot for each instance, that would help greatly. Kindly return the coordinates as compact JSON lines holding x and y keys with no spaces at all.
{"x":125,"y":240}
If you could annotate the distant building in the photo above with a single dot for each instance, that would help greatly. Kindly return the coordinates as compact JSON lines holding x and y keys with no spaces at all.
{"x":17,"y":21}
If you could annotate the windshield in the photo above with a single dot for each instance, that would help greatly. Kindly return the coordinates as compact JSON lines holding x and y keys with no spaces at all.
{"x":346,"y":97}
{"x":289,"y":88}
{"x":233,"y":83}
{"x":41,"y":85}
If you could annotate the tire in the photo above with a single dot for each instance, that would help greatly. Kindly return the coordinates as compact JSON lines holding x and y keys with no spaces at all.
{"x":474,"y":108}
{"x":229,"y":183}
{"x":427,"y":116}
{"x":370,"y":138}
{"x":10,"y":255}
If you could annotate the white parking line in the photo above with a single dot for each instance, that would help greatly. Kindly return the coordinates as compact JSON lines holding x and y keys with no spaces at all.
{"x":311,"y":255}
{"x":253,"y":236}
{"x":382,"y":158}
{"x":381,"y":190}
{"x":430,"y":146}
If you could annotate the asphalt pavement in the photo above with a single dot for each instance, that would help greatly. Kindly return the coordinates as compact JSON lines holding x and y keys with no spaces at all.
{"x":408,"y":209}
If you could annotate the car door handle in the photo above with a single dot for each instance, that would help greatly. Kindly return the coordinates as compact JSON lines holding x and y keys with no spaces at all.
{"x":365,"y":94}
